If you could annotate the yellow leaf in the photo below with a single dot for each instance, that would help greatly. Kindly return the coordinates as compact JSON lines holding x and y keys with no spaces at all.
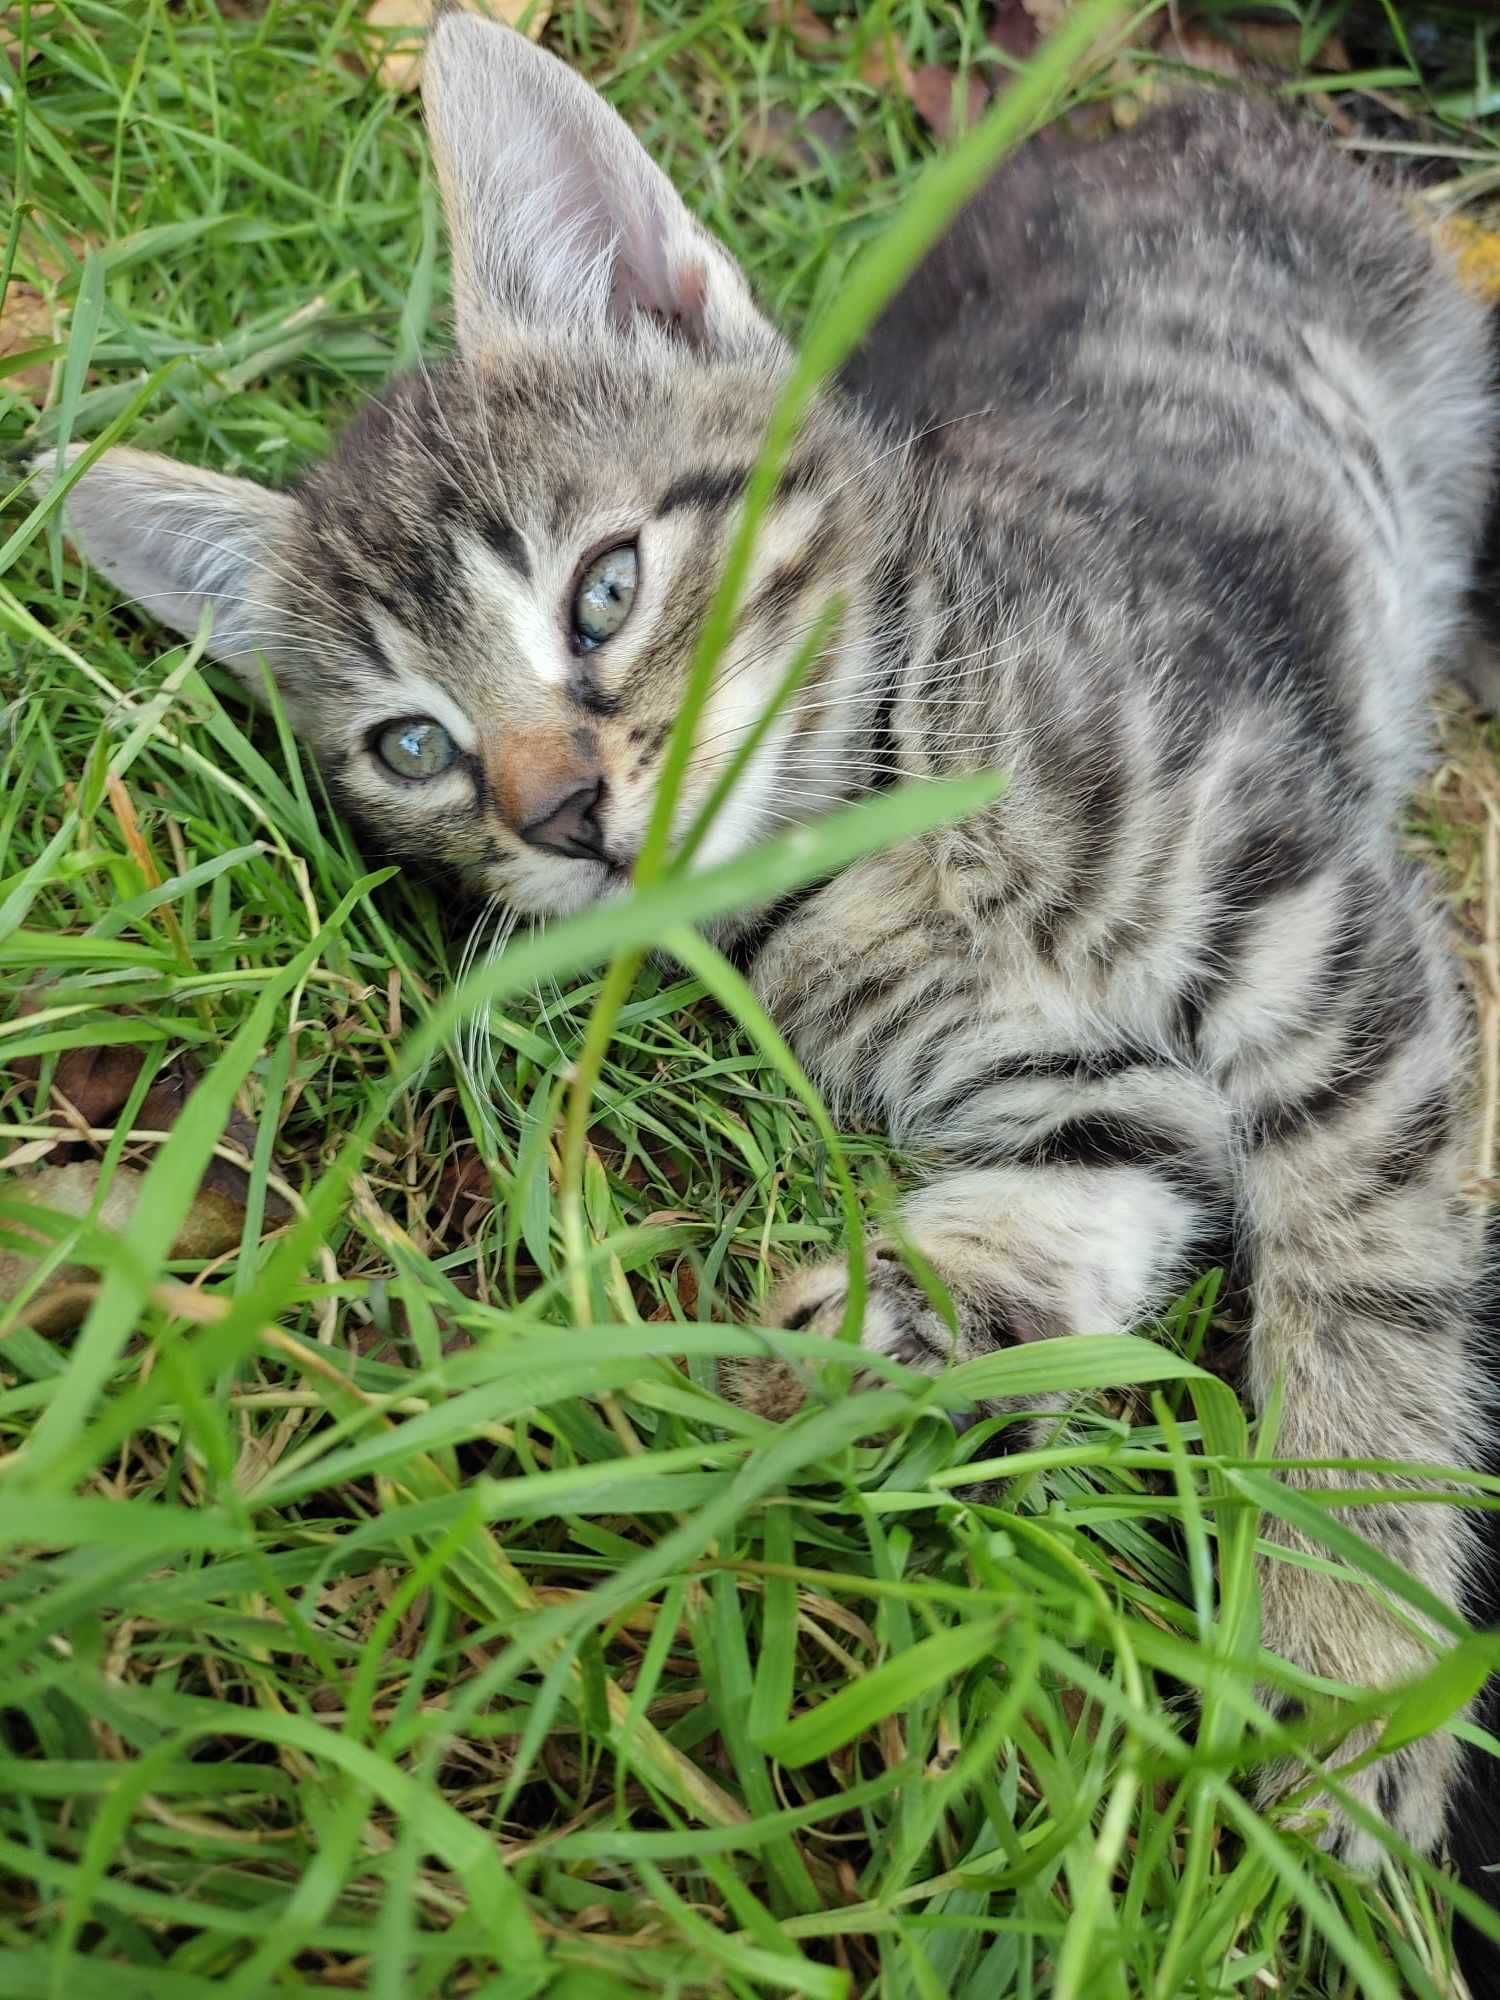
{"x":1478,"y":252}
{"x":402,"y":28}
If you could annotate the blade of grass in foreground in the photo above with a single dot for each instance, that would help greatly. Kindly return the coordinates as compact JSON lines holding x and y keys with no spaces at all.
{"x":941,"y":192}
{"x":945,"y":186}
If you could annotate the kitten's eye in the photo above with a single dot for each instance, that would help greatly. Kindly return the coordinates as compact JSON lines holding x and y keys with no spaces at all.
{"x":605,"y":595}
{"x":416,"y":748}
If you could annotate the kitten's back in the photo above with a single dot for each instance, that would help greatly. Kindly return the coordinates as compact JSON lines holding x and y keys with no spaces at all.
{"x":1215,"y":228}
{"x":1212,"y":369}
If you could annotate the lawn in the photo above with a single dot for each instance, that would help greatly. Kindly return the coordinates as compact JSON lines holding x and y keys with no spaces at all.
{"x":391,"y":1603}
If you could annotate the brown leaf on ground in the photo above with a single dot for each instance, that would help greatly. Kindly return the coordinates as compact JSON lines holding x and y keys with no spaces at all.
{"x":931,"y":88}
{"x":96,"y":1082}
{"x":1048,"y":17}
{"x":794,"y":142}
{"x":1251,"y":50}
{"x":212,"y":1226}
{"x":941,"y":104}
{"x":808,"y":30}
{"x":10,"y":30}
{"x":1280,"y":43}
{"x":27,"y":318}
{"x":687,"y":1296}
{"x":25,"y":321}
{"x":1014,"y":31}
{"x":465,"y":1197}
{"x":884,"y":63}
{"x":396,"y":31}
{"x":465,"y":1177}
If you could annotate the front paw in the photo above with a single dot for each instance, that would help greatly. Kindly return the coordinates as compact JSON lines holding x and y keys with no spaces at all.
{"x":900,"y":1322}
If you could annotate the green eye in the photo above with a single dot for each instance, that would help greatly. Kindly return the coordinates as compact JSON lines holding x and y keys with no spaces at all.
{"x":605,"y":595}
{"x":416,"y":748}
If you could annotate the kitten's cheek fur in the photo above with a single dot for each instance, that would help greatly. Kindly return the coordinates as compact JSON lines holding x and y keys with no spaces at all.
{"x":543,"y":890}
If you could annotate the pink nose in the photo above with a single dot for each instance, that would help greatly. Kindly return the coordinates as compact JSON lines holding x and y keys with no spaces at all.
{"x":570,"y":826}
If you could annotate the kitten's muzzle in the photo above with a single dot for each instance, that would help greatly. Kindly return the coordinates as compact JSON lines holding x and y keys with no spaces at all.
{"x":571,"y":825}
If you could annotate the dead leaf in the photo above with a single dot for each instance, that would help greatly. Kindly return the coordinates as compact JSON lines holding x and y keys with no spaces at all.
{"x":1013,"y":31}
{"x":463,"y":1185}
{"x":1253,"y":49}
{"x":808,"y":30}
{"x":687,"y":1296}
{"x":794,"y":142}
{"x":1478,"y":252}
{"x":884,"y":63}
{"x":27,"y":318}
{"x":26,"y":321}
{"x":10,"y":31}
{"x":212,"y":1226}
{"x":96,"y":1082}
{"x":1047,"y":14}
{"x":397,"y":32}
{"x":1048,"y":17}
{"x":1280,"y":43}
{"x":933,"y":90}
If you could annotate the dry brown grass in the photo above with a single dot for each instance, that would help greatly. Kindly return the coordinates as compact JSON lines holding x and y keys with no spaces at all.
{"x":1458,"y":830}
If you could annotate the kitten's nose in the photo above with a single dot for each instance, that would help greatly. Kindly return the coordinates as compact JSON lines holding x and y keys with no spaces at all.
{"x":570,"y":825}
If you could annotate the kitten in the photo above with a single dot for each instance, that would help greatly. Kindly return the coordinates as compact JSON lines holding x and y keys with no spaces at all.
{"x":1157,"y":488}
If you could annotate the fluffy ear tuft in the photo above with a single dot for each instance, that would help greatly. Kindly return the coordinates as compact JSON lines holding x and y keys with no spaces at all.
{"x":176,"y":539}
{"x":557,"y":215}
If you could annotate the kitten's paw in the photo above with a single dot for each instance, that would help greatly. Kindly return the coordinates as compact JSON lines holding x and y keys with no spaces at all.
{"x":899,"y":1322}
{"x":1410,"y":1790}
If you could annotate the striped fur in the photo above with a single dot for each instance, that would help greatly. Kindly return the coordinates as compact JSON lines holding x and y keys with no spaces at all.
{"x":1158,"y":488}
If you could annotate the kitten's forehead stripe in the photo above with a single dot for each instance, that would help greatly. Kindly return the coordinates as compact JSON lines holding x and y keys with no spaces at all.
{"x":506,"y":540}
{"x":596,"y":700}
{"x":721,"y":486}
{"x":710,"y":487}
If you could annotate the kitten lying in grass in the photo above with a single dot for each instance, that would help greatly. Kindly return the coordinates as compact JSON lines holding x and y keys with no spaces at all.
{"x":1157,"y":488}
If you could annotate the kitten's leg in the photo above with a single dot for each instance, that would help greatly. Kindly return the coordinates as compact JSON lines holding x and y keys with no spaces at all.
{"x":1364,"y":1259}
{"x":1080,"y":1175}
{"x":1023,"y":1252}
{"x":1100,"y":1185}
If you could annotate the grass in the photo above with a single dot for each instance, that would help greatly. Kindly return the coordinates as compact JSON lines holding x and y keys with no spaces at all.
{"x":392,"y":1605}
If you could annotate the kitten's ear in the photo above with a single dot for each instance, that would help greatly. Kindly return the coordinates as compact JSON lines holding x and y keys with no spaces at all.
{"x":176,"y":539}
{"x":555,"y":212}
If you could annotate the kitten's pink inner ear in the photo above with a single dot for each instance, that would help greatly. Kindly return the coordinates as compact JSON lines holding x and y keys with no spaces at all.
{"x":692,"y":306}
{"x":684,"y":309}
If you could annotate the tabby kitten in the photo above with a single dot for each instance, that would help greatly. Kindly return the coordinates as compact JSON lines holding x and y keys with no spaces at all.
{"x":1157,"y":488}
